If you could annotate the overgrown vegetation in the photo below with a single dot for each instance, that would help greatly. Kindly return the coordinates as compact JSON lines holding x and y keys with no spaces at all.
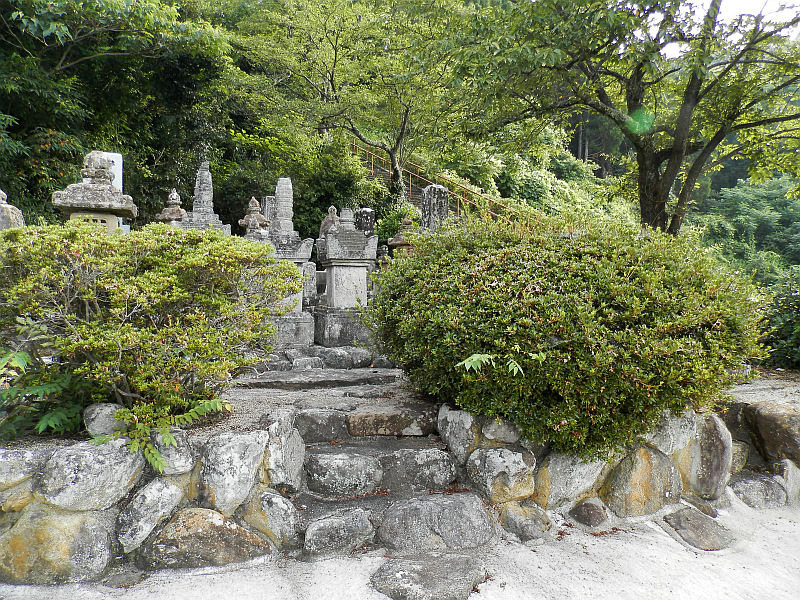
{"x":156,"y":320}
{"x":783,"y":320}
{"x":581,"y":337}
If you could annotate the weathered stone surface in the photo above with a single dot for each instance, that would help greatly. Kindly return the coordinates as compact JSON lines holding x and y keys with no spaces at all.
{"x":333,"y":358}
{"x":304,"y":363}
{"x":47,"y":546}
{"x":590,"y":512}
{"x":435,"y":207}
{"x":392,"y":419}
{"x":275,"y":516}
{"x":704,"y":506}
{"x":199,"y":537}
{"x":285,"y":454}
{"x":740,"y":452}
{"x":501,"y":430}
{"x":319,"y":379}
{"x":525,"y":519}
{"x":202,"y":215}
{"x":698,"y":530}
{"x":230,"y":464}
{"x":151,"y":505}
{"x":429,"y":468}
{"x":10,"y":216}
{"x":564,"y":477}
{"x":705,"y":463}
{"x":502,"y":475}
{"x":339,"y":533}
{"x":321,"y":425}
{"x":343,"y":475}
{"x":433,"y":576}
{"x":99,"y":418}
{"x":776,"y":429}
{"x":437,"y":522}
{"x":17,"y":497}
{"x":641,"y":483}
{"x":790,"y":478}
{"x":180,"y":458}
{"x":361,"y":356}
{"x":459,"y":430}
{"x":381,"y":362}
{"x":89,"y":477}
{"x":758,"y":490}
{"x":673,"y":433}
{"x":18,"y":465}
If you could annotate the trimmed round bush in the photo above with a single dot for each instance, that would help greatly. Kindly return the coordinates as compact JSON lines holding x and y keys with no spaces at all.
{"x":581,"y":338}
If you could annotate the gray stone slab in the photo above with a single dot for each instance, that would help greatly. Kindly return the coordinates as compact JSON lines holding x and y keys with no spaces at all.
{"x":319,"y":378}
{"x":432,"y":576}
{"x":698,"y":530}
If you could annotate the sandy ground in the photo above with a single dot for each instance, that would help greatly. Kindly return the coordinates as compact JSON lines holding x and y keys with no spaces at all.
{"x":642,"y":561}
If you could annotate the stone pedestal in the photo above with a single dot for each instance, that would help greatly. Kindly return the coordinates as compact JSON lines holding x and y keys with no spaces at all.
{"x":335,"y":327}
{"x":294,"y":330}
{"x":347,"y":255}
{"x":95,"y":198}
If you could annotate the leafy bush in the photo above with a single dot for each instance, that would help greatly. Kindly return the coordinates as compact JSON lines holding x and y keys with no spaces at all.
{"x":581,"y":338}
{"x":386,"y":227}
{"x":156,"y":320}
{"x":783,"y":319}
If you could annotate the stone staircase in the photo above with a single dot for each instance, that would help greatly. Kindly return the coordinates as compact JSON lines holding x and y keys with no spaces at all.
{"x":375,"y":474}
{"x":412,"y":192}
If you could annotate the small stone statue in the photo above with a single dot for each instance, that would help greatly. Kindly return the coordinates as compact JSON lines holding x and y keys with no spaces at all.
{"x":329,"y":222}
{"x":173,"y":210}
{"x":254,"y":222}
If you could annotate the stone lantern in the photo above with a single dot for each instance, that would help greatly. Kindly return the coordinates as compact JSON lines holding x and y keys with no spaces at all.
{"x":399,"y":244}
{"x":95,"y":198}
{"x":10,"y":216}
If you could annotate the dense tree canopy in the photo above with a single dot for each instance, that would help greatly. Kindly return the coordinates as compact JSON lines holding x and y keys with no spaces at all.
{"x":687,"y":89}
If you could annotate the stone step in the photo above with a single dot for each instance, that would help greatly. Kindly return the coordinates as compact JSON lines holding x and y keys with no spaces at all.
{"x":363,"y":412}
{"x":454,"y":519}
{"x":318,"y":379}
{"x":373,"y":466}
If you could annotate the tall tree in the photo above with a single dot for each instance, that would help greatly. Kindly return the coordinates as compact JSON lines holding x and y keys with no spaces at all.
{"x":687,"y":89}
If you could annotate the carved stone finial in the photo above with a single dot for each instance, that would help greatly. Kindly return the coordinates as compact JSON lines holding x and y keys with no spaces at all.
{"x":96,"y":168}
{"x":173,"y":210}
{"x":347,"y":220}
{"x":254,"y":221}
{"x":329,"y":222}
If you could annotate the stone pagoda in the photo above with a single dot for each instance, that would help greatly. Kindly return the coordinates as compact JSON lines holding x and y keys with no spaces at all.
{"x":347,"y":255}
{"x":172,"y":211}
{"x":10,"y":216}
{"x":296,"y":328}
{"x":202,"y":215}
{"x":95,"y":198}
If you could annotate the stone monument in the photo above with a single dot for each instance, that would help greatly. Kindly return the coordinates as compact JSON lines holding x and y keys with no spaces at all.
{"x":202,"y":215}
{"x":399,"y":243}
{"x":254,"y":223}
{"x":10,"y":216}
{"x":365,"y":221}
{"x":295,"y":329}
{"x":435,"y":207}
{"x":172,"y":211}
{"x":347,"y":254}
{"x":95,"y":198}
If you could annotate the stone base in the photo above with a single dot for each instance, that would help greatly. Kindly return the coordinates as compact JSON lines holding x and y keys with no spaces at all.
{"x":334,"y":327}
{"x":294,"y":330}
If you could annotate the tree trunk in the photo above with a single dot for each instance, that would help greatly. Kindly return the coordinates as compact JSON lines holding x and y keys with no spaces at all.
{"x":396,"y":183}
{"x":652,"y":204}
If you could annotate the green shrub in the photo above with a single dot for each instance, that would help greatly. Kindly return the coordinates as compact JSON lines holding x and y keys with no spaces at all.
{"x":156,"y":320}
{"x":582,"y":338}
{"x":387,"y":226}
{"x":783,"y":321}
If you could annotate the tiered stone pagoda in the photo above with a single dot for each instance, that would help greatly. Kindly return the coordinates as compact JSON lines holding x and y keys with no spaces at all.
{"x":10,"y":216}
{"x":95,"y":198}
{"x":202,"y":215}
{"x":296,"y":328}
{"x":347,"y":254}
